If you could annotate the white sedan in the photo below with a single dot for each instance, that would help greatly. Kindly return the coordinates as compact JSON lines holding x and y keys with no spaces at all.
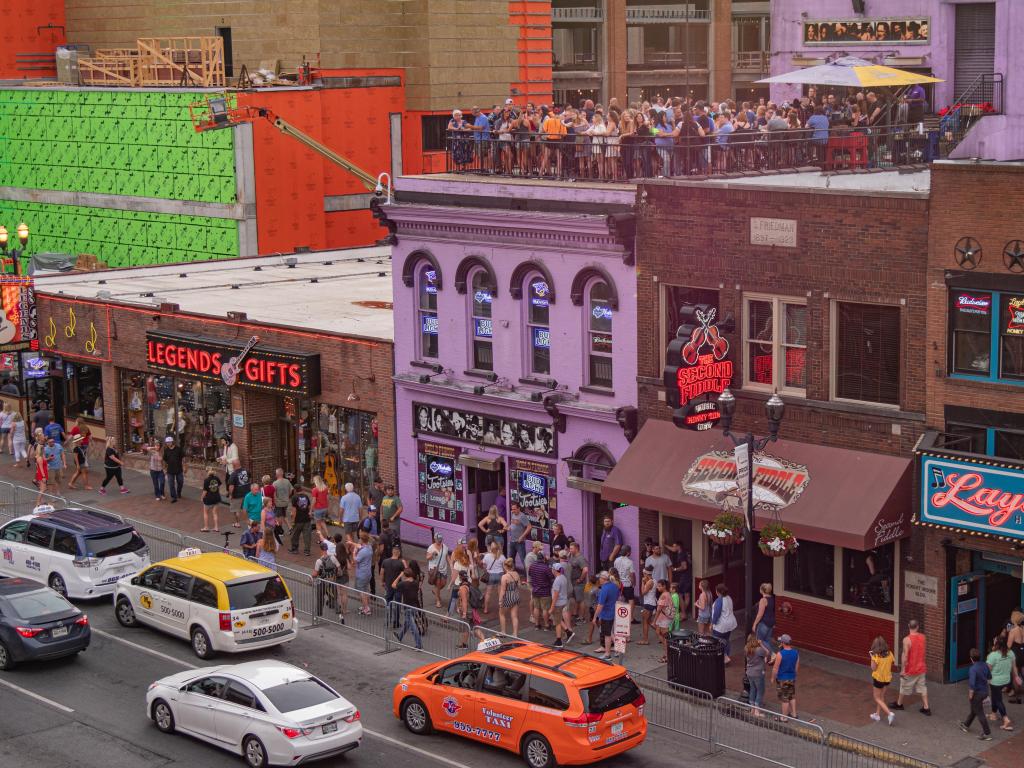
{"x":269,"y":712}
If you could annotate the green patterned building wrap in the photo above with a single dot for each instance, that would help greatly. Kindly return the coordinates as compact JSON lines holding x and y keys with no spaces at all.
{"x":139,"y":144}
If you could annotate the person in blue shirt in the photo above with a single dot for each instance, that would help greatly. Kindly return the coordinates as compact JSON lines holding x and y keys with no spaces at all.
{"x":351,"y":507}
{"x":53,"y":452}
{"x":364,"y":570}
{"x":604,"y":611}
{"x":977,"y":691}
{"x":819,"y":126}
{"x":482,"y":136}
{"x":787,"y":665}
{"x":54,"y":430}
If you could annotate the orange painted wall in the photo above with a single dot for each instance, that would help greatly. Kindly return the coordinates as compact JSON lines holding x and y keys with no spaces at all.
{"x":19,"y":20}
{"x":534,"y":46}
{"x":292,"y":180}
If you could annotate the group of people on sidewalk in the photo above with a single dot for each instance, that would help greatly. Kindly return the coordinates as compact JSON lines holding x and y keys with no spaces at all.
{"x":1001,"y":671}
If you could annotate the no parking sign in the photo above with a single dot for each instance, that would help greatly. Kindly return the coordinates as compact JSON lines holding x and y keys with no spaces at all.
{"x":620,"y":630}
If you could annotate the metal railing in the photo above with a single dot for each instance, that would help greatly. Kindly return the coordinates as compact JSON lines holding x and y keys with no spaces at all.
{"x":722,"y":723}
{"x":595,"y":158}
{"x":751,"y":61}
{"x":985,"y":89}
{"x":656,"y":14}
{"x":580,"y":13}
{"x":742,"y":728}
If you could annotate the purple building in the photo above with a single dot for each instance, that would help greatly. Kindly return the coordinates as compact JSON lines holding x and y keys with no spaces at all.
{"x":963,"y":42}
{"x":515,"y":352}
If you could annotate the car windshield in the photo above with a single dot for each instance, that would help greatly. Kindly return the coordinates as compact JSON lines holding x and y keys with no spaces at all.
{"x":252,"y":594}
{"x":605,"y":696}
{"x":116,"y":543}
{"x":299,"y":694}
{"x":28,"y":605}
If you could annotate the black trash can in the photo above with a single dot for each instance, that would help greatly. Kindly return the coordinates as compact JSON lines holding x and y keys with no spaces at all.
{"x":697,"y":662}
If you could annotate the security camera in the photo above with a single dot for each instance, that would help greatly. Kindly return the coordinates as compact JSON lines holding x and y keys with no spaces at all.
{"x":379,"y":190}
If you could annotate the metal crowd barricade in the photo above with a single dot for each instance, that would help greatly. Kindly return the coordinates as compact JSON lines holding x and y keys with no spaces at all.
{"x":8,"y":502}
{"x":847,"y":752}
{"x":439,"y":635}
{"x":676,"y":707}
{"x":763,"y":734}
{"x":163,"y":543}
{"x":353,"y":609}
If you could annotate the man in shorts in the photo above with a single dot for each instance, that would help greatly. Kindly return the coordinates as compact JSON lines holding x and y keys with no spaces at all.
{"x":913,"y":669}
{"x":604,"y":612}
{"x":784,"y":672}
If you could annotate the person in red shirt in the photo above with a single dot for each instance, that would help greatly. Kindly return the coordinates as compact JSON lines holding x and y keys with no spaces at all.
{"x":268,"y":487}
{"x":913,"y":669}
{"x":80,"y":437}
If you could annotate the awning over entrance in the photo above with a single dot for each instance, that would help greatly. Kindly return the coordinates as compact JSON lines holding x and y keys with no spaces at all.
{"x":853,"y":499}
{"x":478,"y":460}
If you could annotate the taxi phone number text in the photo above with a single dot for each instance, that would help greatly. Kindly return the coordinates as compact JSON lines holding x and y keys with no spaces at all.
{"x":271,"y":629}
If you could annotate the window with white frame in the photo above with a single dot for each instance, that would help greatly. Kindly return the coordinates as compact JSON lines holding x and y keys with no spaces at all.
{"x":775,"y":340}
{"x":599,"y":337}
{"x":866,"y":352}
{"x":426,"y":309}
{"x":482,"y":325}
{"x":538,"y":330}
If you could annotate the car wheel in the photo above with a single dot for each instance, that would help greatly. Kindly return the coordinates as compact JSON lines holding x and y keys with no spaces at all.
{"x":537,"y":752}
{"x":416,"y":717}
{"x":162,"y":716}
{"x":6,"y":660}
{"x":125,"y":613}
{"x":57,"y":584}
{"x":254,"y":752}
{"x":201,"y":643}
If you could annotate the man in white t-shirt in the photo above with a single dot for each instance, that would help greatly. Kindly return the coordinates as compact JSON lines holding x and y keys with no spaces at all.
{"x":627,"y":575}
{"x":661,"y":564}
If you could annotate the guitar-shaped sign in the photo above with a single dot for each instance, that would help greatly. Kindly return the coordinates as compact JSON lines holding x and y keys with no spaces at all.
{"x":229,"y":371}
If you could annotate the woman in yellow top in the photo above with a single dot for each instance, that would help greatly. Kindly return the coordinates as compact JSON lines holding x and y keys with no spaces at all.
{"x":881,"y":675}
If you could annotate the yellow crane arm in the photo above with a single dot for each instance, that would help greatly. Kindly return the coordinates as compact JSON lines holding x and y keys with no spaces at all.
{"x":290,"y":130}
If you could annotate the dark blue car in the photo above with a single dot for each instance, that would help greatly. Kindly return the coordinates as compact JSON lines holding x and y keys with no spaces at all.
{"x":38,"y":623}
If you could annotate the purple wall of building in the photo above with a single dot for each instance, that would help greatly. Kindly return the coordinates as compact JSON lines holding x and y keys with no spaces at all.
{"x":569,"y":234}
{"x":998,"y":138}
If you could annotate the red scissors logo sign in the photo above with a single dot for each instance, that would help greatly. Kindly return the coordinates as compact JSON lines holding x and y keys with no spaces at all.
{"x":229,"y":371}
{"x":705,"y":334}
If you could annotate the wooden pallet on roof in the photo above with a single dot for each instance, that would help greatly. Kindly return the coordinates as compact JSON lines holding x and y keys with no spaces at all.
{"x":119,"y":71}
{"x":170,"y":61}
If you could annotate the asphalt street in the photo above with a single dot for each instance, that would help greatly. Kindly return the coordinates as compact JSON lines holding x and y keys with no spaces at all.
{"x":89,"y":711}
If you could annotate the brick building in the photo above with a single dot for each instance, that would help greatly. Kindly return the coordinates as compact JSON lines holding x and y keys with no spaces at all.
{"x":818,"y":288}
{"x":139,"y":355}
{"x":966,"y":550}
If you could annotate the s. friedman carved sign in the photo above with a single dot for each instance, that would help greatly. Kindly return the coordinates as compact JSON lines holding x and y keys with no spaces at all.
{"x":983,"y":498}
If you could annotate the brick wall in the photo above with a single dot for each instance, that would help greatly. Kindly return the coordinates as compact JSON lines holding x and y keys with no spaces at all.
{"x":341,"y":362}
{"x":849,"y":248}
{"x":830,"y":631}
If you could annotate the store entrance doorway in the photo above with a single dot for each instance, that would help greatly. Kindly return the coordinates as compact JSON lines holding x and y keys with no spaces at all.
{"x":482,"y":487}
{"x":980,"y":606}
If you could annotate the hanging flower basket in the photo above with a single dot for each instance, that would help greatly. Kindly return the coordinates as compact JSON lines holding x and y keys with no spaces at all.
{"x":725,"y":529}
{"x":776,"y":540}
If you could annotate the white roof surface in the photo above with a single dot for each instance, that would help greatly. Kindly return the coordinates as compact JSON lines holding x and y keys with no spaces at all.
{"x":351,"y":295}
{"x":915,"y":182}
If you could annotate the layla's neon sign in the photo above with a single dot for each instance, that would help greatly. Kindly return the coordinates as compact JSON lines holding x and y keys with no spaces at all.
{"x":973,"y":496}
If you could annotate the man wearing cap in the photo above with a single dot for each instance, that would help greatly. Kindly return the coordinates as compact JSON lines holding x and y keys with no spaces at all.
{"x":541,"y":579}
{"x":391,"y":511}
{"x":174,"y":468}
{"x":784,"y":671}
{"x":604,"y":612}
{"x":561,"y":613}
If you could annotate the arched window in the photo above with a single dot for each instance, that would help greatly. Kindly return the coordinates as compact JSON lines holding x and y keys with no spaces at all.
{"x":599,"y":336}
{"x":482,"y":290}
{"x":538,"y":329}
{"x":426,"y":309}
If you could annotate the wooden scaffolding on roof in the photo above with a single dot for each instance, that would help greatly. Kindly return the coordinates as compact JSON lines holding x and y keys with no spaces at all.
{"x":159,"y":62}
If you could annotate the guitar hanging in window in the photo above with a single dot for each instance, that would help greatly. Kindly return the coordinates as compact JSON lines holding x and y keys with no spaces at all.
{"x":229,"y":371}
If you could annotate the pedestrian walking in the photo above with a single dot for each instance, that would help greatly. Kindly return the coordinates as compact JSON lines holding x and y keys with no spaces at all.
{"x":604,"y":612}
{"x":913,"y":669}
{"x":53,"y":452}
{"x":1015,"y":640}
{"x":579,"y":575}
{"x":6,"y":419}
{"x":757,"y":656}
{"x":663,"y":616}
{"x":42,"y":473}
{"x":326,"y":571}
{"x":266,"y":549}
{"x":519,"y":528}
{"x":723,"y":620}
{"x":541,"y":580}
{"x":320,"y":502}
{"x":19,"y":439}
{"x":301,"y":505}
{"x":561,"y":612}
{"x":211,"y":500}
{"x":238,"y":488}
{"x":881,"y":675}
{"x":364,"y":571}
{"x":391,"y":569}
{"x":978,"y":677}
{"x":407,"y":588}
{"x":250,"y":539}
{"x":391,"y":511}
{"x":252,"y":504}
{"x":508,"y":608}
{"x":269,"y":521}
{"x":112,"y":466}
{"x":703,"y":608}
{"x":648,"y":603}
{"x":351,"y":508}
{"x":437,"y":567}
{"x":784,"y":672}
{"x":467,"y":604}
{"x":81,"y":437}
{"x":459,"y":564}
{"x":174,"y":467}
{"x":283,"y":491}
{"x":1000,"y":662}
{"x":494,"y":567}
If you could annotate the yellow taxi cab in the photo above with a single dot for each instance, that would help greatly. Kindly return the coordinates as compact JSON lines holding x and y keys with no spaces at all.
{"x":216,"y":601}
{"x":553,"y":706}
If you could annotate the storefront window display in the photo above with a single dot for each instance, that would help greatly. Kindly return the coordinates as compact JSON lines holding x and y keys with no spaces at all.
{"x":868,"y":577}
{"x":195,"y":413}
{"x":84,"y":391}
{"x":338,"y":444}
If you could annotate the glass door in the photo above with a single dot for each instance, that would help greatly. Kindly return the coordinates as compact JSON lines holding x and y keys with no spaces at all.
{"x":966,"y":609}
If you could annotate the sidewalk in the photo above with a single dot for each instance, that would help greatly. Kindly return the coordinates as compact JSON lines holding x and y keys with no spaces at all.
{"x":834,"y":692}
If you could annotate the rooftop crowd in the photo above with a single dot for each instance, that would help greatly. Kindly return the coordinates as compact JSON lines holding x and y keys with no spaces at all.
{"x":672,"y":137}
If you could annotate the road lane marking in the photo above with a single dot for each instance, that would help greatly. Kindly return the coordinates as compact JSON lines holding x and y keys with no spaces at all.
{"x":174,"y":660}
{"x":37,"y":697}
{"x":417,"y":750}
{"x":144,"y":649}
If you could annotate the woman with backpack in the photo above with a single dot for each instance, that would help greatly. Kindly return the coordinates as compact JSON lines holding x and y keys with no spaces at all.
{"x":468,"y":601}
{"x":437,"y":567}
{"x":326,"y":571}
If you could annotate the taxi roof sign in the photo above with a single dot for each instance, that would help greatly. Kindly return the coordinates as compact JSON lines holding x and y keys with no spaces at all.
{"x":42,"y":509}
{"x":491,"y":642}
{"x":190,"y":552}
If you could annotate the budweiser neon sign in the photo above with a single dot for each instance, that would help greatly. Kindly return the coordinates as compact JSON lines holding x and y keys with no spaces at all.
{"x":696,"y":369}
{"x":975,"y":497}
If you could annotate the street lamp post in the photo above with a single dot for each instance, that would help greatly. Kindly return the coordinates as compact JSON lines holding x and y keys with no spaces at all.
{"x":15,"y":253}
{"x":774,"y":410}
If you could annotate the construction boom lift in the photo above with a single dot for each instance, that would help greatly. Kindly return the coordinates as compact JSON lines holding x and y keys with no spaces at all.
{"x":214,"y":114}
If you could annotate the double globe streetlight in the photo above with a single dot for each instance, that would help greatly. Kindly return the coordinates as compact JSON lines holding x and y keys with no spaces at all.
{"x":16,"y":253}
